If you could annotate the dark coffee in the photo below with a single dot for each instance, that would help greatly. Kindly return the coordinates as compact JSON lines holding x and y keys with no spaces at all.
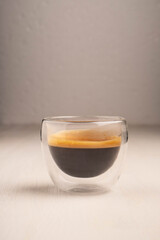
{"x":78,"y":157}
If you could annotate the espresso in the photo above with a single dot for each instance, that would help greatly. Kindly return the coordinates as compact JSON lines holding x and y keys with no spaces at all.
{"x":80,"y":154}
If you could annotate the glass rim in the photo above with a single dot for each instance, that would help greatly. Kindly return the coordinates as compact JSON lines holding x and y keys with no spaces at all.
{"x":84,"y":119}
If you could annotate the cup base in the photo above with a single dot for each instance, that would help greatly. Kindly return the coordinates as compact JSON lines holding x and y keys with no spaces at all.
{"x":84,"y":189}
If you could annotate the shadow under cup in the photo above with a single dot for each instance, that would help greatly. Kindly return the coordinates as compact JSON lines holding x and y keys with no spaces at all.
{"x":82,"y":154}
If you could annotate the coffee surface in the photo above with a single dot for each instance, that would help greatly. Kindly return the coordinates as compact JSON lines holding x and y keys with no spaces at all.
{"x":84,"y":153}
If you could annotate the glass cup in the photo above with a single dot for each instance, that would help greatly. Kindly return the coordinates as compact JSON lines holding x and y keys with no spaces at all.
{"x":84,"y":154}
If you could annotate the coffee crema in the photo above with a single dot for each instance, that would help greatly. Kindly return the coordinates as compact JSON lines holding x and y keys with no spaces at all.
{"x":84,"y":153}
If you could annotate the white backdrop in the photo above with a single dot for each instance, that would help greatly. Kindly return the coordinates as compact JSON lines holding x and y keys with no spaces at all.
{"x":79,"y":57}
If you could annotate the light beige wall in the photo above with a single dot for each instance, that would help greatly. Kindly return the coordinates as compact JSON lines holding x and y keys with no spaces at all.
{"x":80,"y":57}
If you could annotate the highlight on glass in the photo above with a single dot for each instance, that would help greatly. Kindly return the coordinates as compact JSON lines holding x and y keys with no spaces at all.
{"x":84,"y":154}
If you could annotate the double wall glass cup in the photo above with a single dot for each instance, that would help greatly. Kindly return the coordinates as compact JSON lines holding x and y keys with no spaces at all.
{"x":84,"y":154}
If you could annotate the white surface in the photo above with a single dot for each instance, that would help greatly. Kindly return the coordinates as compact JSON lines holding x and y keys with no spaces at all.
{"x":79,"y":57}
{"x":31,"y":209}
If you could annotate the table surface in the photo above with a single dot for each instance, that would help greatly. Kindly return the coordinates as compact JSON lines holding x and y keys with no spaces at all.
{"x":31,"y":208}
